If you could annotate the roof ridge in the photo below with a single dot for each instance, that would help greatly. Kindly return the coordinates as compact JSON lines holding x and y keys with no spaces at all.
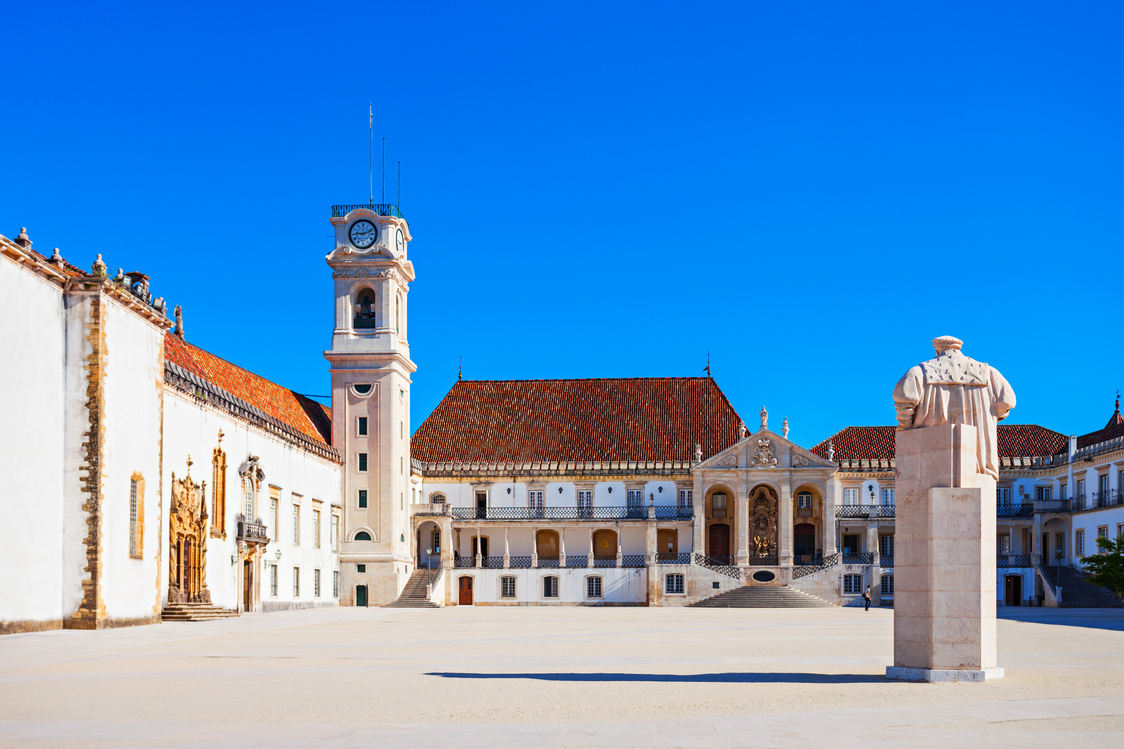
{"x":589,"y":379}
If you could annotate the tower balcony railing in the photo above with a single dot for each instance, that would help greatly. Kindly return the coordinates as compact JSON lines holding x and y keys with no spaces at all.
{"x":380,"y":209}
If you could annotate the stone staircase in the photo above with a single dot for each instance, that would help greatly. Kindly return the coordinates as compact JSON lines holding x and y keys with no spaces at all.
{"x":414,"y":595}
{"x":194,"y":612}
{"x":763,"y":597}
{"x":1079,"y":593}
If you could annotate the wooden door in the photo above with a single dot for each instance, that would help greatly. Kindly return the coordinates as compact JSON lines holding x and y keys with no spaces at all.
{"x":804,"y":541}
{"x":465,"y":591}
{"x":719,"y":542}
{"x":1014,"y":590}
{"x":360,"y":595}
{"x":247,"y":585}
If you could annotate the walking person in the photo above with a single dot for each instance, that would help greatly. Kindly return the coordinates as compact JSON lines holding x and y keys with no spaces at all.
{"x":866,"y":598}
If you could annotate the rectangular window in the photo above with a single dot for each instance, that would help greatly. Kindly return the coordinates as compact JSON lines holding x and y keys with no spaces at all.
{"x":335,"y":532}
{"x":850,"y":496}
{"x":507,"y":587}
{"x":435,"y":543}
{"x":1079,"y":542}
{"x":296,"y":582}
{"x":360,"y":568}
{"x":134,"y":543}
{"x":1042,"y":493}
{"x":316,"y":583}
{"x":852,"y":584}
{"x":534,"y":500}
{"x":550,"y":587}
{"x":275,"y":517}
{"x":362,"y":499}
{"x":585,"y":503}
{"x":335,"y":584}
{"x":1102,"y":491}
{"x":593,"y":587}
{"x":804,"y":501}
{"x":686,"y":498}
{"x":1059,"y":546}
{"x":296,"y":525}
{"x":718,"y":501}
{"x":1003,"y":495}
{"x":316,"y":529}
{"x":673,"y":583}
{"x":363,"y":462}
{"x":248,"y":501}
{"x":635,"y":498}
{"x":1102,"y":532}
{"x":273,"y":580}
{"x":888,"y":497}
{"x":887,"y":585}
{"x":362,"y":426}
{"x":1080,"y":489}
{"x":1003,"y":544}
{"x":886,"y":546}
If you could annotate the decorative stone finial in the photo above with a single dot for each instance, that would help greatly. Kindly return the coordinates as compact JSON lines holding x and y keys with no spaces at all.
{"x":830,"y":450}
{"x":698,"y":453}
{"x":56,"y":258}
{"x":23,"y":240}
{"x":99,"y":267}
{"x":764,"y":418}
{"x":784,"y":428}
{"x":179,"y":322}
{"x":742,"y":431}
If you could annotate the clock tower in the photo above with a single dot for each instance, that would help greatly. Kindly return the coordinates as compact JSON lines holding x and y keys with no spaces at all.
{"x":371,"y":368}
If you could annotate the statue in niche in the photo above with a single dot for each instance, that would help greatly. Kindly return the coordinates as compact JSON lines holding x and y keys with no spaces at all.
{"x":763,"y":523}
{"x":954,"y":389}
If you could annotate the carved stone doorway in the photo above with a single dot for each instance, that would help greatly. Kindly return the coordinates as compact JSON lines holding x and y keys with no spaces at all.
{"x":187,"y":531}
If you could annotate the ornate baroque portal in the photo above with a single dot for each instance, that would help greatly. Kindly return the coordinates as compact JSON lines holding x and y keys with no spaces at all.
{"x":763,"y":526}
{"x":187,"y":547}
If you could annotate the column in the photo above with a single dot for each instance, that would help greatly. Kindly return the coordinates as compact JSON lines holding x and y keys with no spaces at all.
{"x":828,"y":520}
{"x":506,"y":550}
{"x":590,"y":547}
{"x":698,"y":522}
{"x":620,"y":545}
{"x":784,"y":543}
{"x":650,"y":550}
{"x":740,"y":515}
{"x":534,"y":546}
{"x":479,"y":548}
{"x":562,"y":547}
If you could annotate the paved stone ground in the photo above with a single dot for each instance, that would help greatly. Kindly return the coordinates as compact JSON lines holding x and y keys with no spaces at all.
{"x":551,"y":677}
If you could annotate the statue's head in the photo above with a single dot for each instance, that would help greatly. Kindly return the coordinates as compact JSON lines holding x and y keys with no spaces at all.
{"x":947,"y":343}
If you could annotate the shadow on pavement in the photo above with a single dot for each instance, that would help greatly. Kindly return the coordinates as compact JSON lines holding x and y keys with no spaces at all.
{"x":1110,"y":619}
{"x":726,"y":678}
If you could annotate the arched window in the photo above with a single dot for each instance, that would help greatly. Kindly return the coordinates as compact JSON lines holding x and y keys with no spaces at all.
{"x":593,"y":586}
{"x":550,"y":587}
{"x":362,"y":536}
{"x":366,"y":306}
{"x":437,"y":499}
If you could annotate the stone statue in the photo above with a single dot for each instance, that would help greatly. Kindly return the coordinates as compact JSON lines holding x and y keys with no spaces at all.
{"x":953,"y":389}
{"x":179,"y":321}
{"x":742,"y":431}
{"x":784,"y":428}
{"x":99,"y":267}
{"x":764,"y":418}
{"x":830,"y":450}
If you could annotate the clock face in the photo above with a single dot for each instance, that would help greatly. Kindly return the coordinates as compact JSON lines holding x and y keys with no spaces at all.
{"x":363,"y":234}
{"x":400,"y":241}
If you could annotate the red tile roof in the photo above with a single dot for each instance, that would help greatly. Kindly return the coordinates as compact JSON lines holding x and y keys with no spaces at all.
{"x":524,"y":421}
{"x":877,"y":443}
{"x":303,"y":415}
{"x":1113,"y":429}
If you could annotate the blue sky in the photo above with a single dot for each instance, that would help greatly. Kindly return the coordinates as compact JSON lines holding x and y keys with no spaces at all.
{"x":810,"y":192}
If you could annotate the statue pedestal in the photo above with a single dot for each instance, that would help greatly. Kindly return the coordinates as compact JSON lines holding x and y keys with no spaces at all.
{"x":944,"y":559}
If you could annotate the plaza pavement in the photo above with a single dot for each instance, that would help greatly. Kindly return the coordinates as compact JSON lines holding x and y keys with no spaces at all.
{"x":551,"y":677}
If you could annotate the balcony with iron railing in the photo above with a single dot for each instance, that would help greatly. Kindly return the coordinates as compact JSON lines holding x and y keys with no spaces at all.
{"x":864,"y":557}
{"x":1006,"y":510}
{"x":1012,"y":560}
{"x":659,"y":512}
{"x":864,"y":511}
{"x":1097,"y":500}
{"x":252,"y":530}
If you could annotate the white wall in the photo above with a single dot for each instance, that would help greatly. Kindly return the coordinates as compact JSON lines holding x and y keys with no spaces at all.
{"x":618,"y":585}
{"x":32,"y":430}
{"x":192,"y":429}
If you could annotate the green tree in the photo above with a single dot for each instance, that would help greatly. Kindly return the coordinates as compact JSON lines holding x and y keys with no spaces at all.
{"x":1107,"y":567}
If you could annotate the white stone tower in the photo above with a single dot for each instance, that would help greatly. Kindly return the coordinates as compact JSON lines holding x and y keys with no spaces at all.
{"x":371,"y":368}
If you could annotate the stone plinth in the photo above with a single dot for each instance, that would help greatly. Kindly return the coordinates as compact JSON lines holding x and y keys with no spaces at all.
{"x":944,"y":558}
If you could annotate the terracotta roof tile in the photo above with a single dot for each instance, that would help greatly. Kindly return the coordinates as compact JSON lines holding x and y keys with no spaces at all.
{"x":522,"y":421}
{"x":304,"y":415}
{"x":877,"y":443}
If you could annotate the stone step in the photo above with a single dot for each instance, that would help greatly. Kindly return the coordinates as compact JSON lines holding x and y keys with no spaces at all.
{"x":194,"y":612}
{"x":772,"y":597}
